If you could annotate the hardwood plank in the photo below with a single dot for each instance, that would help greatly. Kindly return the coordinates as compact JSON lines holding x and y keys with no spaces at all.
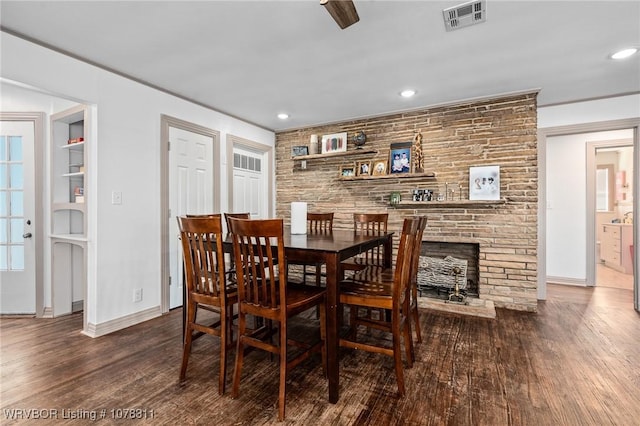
{"x":574,"y":362}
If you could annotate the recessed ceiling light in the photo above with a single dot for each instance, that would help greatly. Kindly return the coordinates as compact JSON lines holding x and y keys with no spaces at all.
{"x":283,"y":116}
{"x":624,"y":53}
{"x":407,"y":93}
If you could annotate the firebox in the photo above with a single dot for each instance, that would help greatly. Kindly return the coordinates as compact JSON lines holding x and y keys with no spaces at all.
{"x":445,"y":264}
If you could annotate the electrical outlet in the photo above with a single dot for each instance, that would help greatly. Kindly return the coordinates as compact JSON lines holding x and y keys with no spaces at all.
{"x":137,"y":295}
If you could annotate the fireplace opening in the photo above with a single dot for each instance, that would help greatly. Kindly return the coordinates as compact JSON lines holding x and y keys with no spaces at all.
{"x":445,"y":264}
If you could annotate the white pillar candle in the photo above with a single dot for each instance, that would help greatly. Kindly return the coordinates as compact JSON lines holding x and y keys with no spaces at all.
{"x":313,"y":144}
{"x":298,"y":218}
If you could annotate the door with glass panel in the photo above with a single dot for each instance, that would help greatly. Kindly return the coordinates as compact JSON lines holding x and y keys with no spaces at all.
{"x":17,"y":222}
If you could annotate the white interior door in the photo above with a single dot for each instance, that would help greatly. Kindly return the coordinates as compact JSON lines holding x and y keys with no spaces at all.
{"x":17,"y":216}
{"x":249,"y":183}
{"x":190,"y":192}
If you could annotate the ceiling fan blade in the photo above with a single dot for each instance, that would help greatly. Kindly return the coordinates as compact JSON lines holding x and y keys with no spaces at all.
{"x":342,"y":11}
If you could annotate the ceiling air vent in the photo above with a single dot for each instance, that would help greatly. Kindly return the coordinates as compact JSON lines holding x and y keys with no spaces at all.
{"x":463,"y":15}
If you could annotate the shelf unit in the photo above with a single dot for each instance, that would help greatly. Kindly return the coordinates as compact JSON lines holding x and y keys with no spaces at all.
{"x":68,"y":234}
{"x":353,"y":152}
{"x":448,"y":203}
{"x":428,"y":175}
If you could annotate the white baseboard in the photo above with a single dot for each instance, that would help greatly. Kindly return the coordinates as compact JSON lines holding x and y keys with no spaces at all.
{"x":97,"y":330}
{"x":567,"y":281}
{"x":47,"y":312}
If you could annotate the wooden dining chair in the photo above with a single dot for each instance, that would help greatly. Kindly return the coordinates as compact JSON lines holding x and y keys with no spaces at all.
{"x":227,"y":216}
{"x":368,"y":224}
{"x":415,"y":262}
{"x":207,"y":287}
{"x":387,"y":289}
{"x":263,"y":292}
{"x":317,"y":223}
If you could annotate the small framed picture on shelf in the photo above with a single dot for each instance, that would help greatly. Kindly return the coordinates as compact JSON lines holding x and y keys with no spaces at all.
{"x":364,"y":168}
{"x":484,"y":183}
{"x":336,"y":142}
{"x":379,"y":168}
{"x":346,"y":171}
{"x":297,"y":151}
{"x":400,"y":157}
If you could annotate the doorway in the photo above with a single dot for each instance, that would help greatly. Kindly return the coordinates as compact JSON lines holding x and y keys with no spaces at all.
{"x":21,"y":214}
{"x":190,"y":184}
{"x":614,"y":181}
{"x":579,"y":220}
{"x":249,"y":166}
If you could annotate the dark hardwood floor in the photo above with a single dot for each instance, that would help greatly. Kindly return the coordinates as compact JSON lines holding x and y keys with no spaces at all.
{"x":575,"y":362}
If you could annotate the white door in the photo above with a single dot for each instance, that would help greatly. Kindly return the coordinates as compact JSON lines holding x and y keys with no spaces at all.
{"x":190,"y":192}
{"x":17,"y":208}
{"x":250,"y":187}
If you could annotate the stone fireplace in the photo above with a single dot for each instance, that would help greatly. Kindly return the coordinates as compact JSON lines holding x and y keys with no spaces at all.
{"x":499,"y":131}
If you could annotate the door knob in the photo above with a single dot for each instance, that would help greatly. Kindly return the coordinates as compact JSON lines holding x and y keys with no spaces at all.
{"x":27,"y":235}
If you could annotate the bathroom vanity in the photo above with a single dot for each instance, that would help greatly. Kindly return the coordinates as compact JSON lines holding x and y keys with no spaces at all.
{"x":615,"y":245}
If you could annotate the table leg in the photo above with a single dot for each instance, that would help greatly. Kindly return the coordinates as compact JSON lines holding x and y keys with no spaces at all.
{"x":333,"y":280}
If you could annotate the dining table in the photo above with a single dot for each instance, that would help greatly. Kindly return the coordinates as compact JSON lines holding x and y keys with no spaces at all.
{"x":330,"y":248}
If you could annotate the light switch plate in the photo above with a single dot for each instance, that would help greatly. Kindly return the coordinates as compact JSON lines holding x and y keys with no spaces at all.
{"x":116,"y":197}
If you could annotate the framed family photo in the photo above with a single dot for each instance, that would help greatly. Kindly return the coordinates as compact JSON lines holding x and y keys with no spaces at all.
{"x":334,"y":143}
{"x":484,"y":183}
{"x":400,"y":158}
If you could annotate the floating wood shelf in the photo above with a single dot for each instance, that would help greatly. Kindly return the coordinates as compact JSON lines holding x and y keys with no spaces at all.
{"x":449,"y":203}
{"x":335,"y":154}
{"x":428,"y":175}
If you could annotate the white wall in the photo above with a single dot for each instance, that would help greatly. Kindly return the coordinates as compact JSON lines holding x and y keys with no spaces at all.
{"x":125,"y":240}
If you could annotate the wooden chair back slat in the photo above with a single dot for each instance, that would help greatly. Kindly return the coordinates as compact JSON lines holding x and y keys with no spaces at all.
{"x":259,"y":252}
{"x":201,"y":238}
{"x":371,"y":224}
{"x":320,"y":222}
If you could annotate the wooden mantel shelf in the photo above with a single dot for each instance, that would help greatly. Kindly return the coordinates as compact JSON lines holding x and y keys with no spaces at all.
{"x":428,"y":175}
{"x":335,"y":154}
{"x":449,"y":203}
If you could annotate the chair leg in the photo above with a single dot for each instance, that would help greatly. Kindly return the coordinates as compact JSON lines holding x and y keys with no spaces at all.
{"x":416,"y":321}
{"x":397,"y":355}
{"x":188,"y":338}
{"x":237,"y":369}
{"x":224,"y":347}
{"x":283,"y":371}
{"x":408,"y":342}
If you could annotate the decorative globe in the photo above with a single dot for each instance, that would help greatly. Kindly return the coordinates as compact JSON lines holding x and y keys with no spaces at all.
{"x":359,"y":139}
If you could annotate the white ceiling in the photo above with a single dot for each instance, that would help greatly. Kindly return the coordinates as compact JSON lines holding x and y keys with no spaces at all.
{"x":254,"y":59}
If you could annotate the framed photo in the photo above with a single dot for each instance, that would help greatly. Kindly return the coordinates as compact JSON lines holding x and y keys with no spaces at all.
{"x":484,"y":183}
{"x":299,"y":150}
{"x":379,"y":168}
{"x":364,"y":168}
{"x":400,"y":158}
{"x":346,"y":171}
{"x":334,"y":143}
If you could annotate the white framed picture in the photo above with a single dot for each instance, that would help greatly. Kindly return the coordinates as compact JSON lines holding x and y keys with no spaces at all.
{"x":484,"y":183}
{"x":334,"y":143}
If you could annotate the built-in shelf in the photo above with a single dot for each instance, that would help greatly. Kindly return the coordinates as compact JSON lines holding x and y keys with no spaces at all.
{"x":428,"y":175}
{"x":69,"y":206}
{"x":335,"y":154}
{"x":76,"y":145}
{"x":80,"y":238}
{"x":448,"y":203}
